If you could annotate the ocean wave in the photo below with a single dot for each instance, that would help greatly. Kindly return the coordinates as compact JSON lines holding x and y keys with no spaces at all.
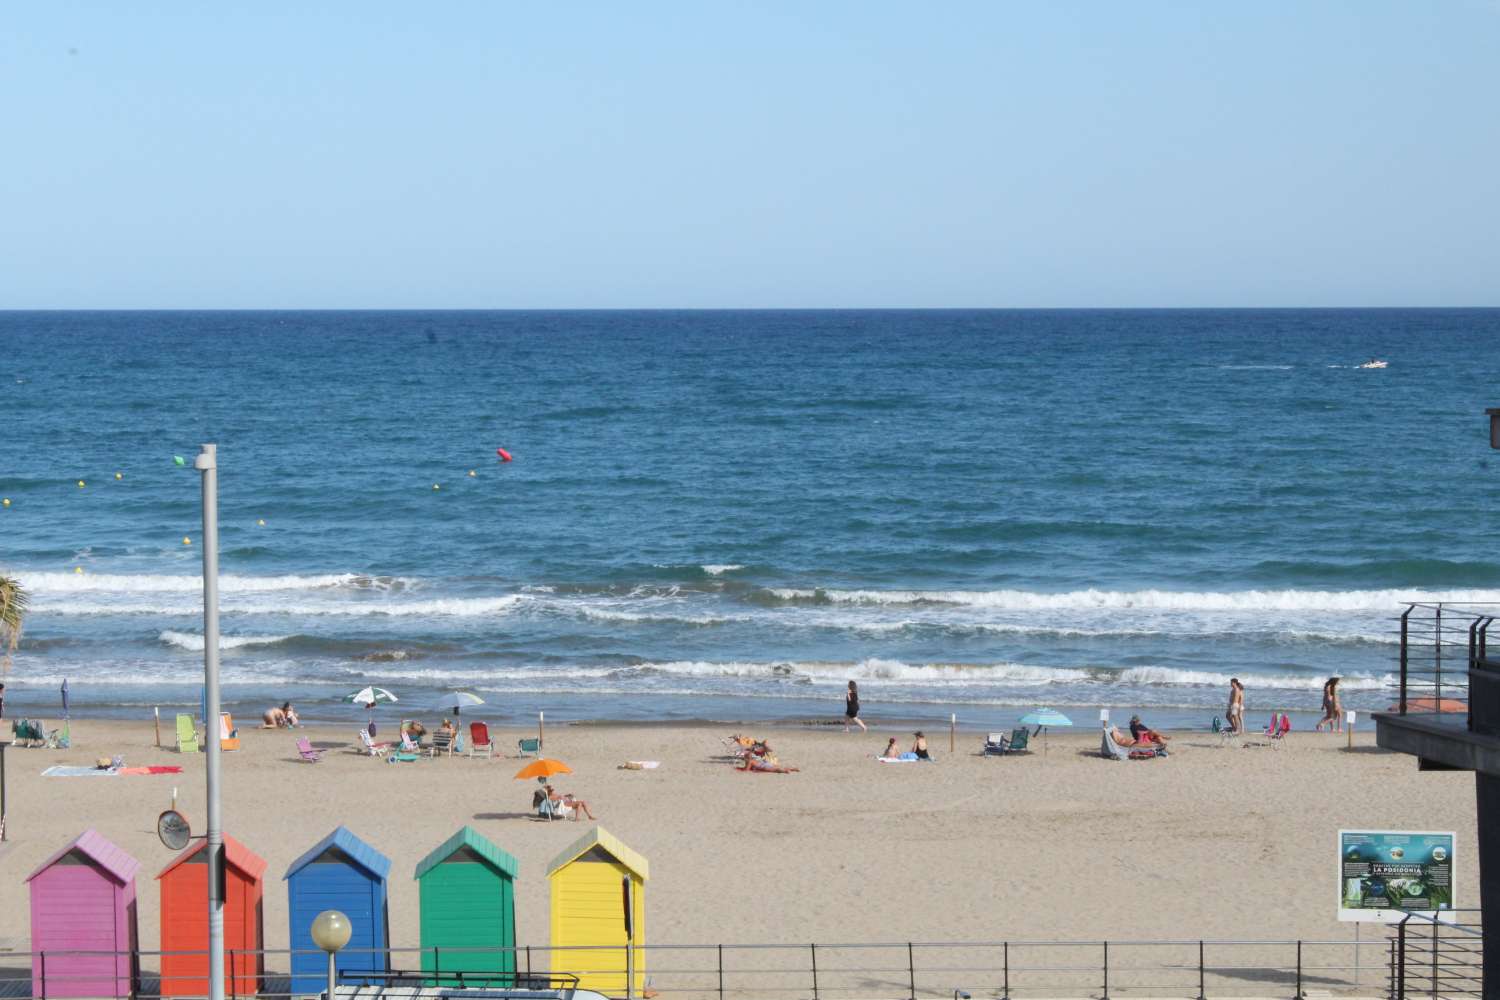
{"x":719,"y":569}
{"x":457,"y":607}
{"x":195,"y":643}
{"x":1140,"y":600}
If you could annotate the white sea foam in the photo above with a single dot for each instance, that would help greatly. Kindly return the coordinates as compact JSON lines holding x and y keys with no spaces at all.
{"x":47,"y":584}
{"x":1147,"y":600}
{"x":719,"y":569}
{"x":195,"y":643}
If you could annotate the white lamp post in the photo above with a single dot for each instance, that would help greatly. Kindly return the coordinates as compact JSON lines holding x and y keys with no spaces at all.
{"x":207,"y":463}
{"x":330,"y":931}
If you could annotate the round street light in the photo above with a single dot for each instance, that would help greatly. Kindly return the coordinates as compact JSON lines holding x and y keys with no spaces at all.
{"x":330,"y":931}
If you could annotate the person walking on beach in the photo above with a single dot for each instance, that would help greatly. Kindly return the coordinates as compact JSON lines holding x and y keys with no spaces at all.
{"x":1235,"y":713}
{"x":851,"y":708}
{"x":1333,"y":712}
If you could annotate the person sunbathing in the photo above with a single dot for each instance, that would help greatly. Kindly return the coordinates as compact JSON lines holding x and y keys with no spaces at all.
{"x":1145,"y":734}
{"x":891,"y":751}
{"x":284,"y":717}
{"x":1123,"y":739}
{"x":569,"y":804}
{"x":767,"y":763}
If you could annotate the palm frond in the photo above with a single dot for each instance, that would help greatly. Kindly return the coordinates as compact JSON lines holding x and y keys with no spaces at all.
{"x":13,"y":601}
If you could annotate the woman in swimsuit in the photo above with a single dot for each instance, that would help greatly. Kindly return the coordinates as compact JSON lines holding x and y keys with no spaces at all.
{"x":920,"y":746}
{"x":851,"y":708}
{"x":890,"y":750}
{"x":1235,"y":713}
{"x":1333,"y":712}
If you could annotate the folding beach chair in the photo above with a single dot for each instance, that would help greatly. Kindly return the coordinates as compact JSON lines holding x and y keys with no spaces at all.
{"x":307,"y":752}
{"x":369,"y":746}
{"x":409,"y":745}
{"x":442,"y":743}
{"x":479,"y":740}
{"x":229,"y":737}
{"x":529,"y":747}
{"x":187,"y":734}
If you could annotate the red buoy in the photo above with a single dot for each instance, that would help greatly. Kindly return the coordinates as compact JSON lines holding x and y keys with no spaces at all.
{"x":504,"y":455}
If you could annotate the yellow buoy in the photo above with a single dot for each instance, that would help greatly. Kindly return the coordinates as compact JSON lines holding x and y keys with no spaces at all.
{"x":7,"y":501}
{"x":78,"y":569}
{"x":436,"y":486}
{"x":261,"y":522}
{"x":119,"y":475}
{"x":186,"y":540}
{"x":471,"y":472}
{"x":80,"y":484}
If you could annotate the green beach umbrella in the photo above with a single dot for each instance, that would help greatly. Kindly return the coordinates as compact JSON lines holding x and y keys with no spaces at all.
{"x":1044,"y":718}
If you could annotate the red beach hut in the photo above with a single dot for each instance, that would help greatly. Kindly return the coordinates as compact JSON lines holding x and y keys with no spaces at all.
{"x":184,"y":920}
{"x":83,"y":900}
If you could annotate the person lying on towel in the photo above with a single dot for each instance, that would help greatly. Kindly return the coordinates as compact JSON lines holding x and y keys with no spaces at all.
{"x":1145,"y":734}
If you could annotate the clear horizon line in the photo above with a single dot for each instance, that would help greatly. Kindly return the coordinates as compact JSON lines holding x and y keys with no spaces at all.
{"x":710,"y":309}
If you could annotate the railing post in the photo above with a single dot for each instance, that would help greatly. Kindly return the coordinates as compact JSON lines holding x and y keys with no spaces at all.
{"x":1299,"y":969}
{"x":1401,"y":960}
{"x":1105,"y":994}
{"x":233,"y":979}
{"x":42,"y":989}
{"x":911,"y":971}
{"x":1435,"y":924}
{"x":1005,"y":965}
{"x":814,"y":949}
{"x":1404,"y":623}
{"x":1202,"y":995}
{"x":436,"y":965}
{"x":721,"y":972}
{"x":528,"y":961}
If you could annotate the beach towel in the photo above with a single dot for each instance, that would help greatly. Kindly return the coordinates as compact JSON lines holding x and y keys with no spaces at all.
{"x":906,"y":758}
{"x":639,"y":765}
{"x":1110,"y":750}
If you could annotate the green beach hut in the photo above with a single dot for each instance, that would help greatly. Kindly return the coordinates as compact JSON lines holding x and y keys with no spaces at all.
{"x":467,"y":893}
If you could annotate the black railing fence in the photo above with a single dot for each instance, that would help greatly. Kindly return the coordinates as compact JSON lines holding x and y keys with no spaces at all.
{"x":993,"y":970}
{"x":1442,"y":645}
{"x":1437,"y":958}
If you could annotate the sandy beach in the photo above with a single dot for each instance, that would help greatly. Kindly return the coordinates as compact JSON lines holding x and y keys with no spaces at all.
{"x":1210,"y":842}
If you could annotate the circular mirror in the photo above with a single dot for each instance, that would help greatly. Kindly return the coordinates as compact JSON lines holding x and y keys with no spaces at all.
{"x":172,"y":828}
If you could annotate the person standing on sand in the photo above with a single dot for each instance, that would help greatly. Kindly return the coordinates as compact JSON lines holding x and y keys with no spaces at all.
{"x":1333,"y":712}
{"x":1235,"y":713}
{"x":851,"y":708}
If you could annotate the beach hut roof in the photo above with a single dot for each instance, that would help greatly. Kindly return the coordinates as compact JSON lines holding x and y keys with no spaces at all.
{"x":236,"y":855}
{"x":601,"y":838}
{"x":476,"y":842}
{"x":91,"y":843}
{"x":359,"y":852}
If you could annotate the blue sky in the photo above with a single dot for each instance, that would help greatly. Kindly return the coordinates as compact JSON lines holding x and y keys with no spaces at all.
{"x":772,"y":154}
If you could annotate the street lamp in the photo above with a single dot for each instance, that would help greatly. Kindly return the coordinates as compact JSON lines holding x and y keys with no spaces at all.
{"x":330,"y":931}
{"x":1494,"y":428}
{"x":207,"y":463}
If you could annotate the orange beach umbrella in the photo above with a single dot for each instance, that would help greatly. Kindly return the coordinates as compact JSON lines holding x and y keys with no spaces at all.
{"x":544,"y":768}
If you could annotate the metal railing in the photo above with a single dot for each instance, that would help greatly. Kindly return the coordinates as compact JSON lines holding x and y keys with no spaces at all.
{"x":1437,"y":958}
{"x":941,"y":970}
{"x":1441,"y":645}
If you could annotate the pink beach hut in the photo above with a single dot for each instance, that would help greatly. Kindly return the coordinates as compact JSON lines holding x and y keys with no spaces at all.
{"x":83,"y":900}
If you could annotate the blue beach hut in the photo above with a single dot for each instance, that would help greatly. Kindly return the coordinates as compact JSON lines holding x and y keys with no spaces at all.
{"x":340,"y":872}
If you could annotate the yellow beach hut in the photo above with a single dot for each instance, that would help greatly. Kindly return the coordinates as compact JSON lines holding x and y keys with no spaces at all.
{"x":588,"y":910}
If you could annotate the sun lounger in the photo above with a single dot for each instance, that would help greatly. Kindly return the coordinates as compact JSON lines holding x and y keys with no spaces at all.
{"x":369,"y":746}
{"x":187,"y":734}
{"x":547,"y":809}
{"x":479,"y":740}
{"x":1000,"y":744}
{"x":409,"y":745}
{"x":34,"y":733}
{"x":1109,"y":749}
{"x":530,"y":747}
{"x":306,"y":750}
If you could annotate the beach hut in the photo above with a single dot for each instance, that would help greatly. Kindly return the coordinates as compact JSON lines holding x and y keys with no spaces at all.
{"x":587,"y":888}
{"x":83,"y":899}
{"x":467,"y":892}
{"x":339,"y":872}
{"x":184,"y":920}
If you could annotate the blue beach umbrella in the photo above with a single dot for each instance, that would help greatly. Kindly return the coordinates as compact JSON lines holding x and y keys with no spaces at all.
{"x":65,"y":699}
{"x":1043,"y":718}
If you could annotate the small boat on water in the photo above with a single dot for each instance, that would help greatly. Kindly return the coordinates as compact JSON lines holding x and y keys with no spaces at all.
{"x":1376,"y":363}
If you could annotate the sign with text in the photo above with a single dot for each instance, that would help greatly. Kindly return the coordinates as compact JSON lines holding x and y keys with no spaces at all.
{"x":1386,"y":874}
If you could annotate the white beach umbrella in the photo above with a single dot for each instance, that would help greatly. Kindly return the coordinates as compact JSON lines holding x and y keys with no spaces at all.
{"x":370,"y":696}
{"x":457,"y":700}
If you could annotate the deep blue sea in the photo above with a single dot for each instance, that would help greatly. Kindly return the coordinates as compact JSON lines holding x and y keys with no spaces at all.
{"x":730,"y":514}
